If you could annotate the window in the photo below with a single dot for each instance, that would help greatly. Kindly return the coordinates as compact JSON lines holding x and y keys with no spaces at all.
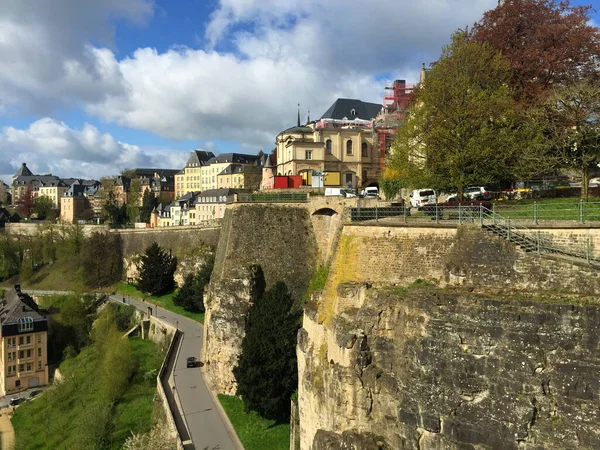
{"x":28,"y":367}
{"x":308,"y":154}
{"x":20,"y":340}
{"x":29,"y":353}
{"x":364,"y":149}
{"x":39,"y":338}
{"x":28,"y":339}
{"x":39,"y":352}
{"x":9,"y":358}
{"x":352,"y":112}
{"x":21,"y":367}
{"x":39,"y":365}
{"x":328,"y":146}
{"x":349,"y":177}
{"x":348,"y":147}
{"x":9,"y":370}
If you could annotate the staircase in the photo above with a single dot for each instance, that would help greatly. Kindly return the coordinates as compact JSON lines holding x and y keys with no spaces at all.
{"x":528,"y":239}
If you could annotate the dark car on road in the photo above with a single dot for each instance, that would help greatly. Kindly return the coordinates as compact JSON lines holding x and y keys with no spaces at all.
{"x":191,"y":361}
{"x":14,"y":401}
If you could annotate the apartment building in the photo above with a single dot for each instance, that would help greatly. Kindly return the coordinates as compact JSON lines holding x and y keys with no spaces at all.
{"x":159,"y":181}
{"x":24,"y":340}
{"x":245,"y":165}
{"x":211,"y":204}
{"x":190,"y":178}
{"x":240,"y":176}
{"x":80,"y":202}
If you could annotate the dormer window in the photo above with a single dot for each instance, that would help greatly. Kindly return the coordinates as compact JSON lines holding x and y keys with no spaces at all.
{"x":352,"y":112}
{"x":25,"y":324}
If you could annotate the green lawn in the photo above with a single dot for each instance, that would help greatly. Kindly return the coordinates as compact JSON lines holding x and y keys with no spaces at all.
{"x":52,"y":420}
{"x":550,"y":209}
{"x":166,"y":301}
{"x":255,"y":432}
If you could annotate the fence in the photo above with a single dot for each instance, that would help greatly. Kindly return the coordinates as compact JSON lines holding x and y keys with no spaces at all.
{"x":536,"y":212}
{"x":361,"y":214}
{"x":279,"y":197}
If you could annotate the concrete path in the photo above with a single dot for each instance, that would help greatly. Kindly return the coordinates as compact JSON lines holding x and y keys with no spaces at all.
{"x":7,"y":432}
{"x":209,"y":427}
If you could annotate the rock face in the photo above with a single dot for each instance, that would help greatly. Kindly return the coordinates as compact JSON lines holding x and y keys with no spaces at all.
{"x":424,"y":368}
{"x":276,"y":242}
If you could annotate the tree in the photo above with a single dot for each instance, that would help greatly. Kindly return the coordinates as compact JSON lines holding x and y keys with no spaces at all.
{"x":464,"y":129}
{"x":9,"y":257}
{"x":570,"y":117}
{"x":156,"y":271}
{"x":266,"y":372}
{"x":43,"y":206}
{"x":133,"y":200}
{"x":390,"y":183}
{"x":149,"y":202}
{"x":25,"y":202}
{"x":102,"y":259}
{"x":114,"y":212}
{"x":191,"y":295}
{"x":545,"y":42}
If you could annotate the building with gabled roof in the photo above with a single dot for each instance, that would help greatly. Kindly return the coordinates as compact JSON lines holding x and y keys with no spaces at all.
{"x":190,"y":177}
{"x":212,"y":204}
{"x":24,"y":340}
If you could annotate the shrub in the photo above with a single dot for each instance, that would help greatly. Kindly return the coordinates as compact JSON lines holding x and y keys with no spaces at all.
{"x":156,"y":271}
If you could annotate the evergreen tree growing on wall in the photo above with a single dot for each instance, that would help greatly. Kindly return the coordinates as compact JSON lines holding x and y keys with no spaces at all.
{"x":156,"y":271}
{"x":267,"y":372}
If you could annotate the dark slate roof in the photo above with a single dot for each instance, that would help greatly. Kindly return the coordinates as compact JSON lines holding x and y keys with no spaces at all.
{"x":267,"y":164}
{"x":39,"y":180}
{"x":240,"y":158}
{"x":204,"y":196}
{"x":23,"y":171}
{"x":297,"y":130}
{"x":123,"y":181}
{"x":238,"y":168}
{"x":149,"y":173}
{"x":342,"y":108}
{"x":76,"y":190}
{"x":199,"y":158}
{"x":16,"y":305}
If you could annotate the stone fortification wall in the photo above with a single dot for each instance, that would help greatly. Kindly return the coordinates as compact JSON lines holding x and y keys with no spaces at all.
{"x":278,"y":240}
{"x":498,"y":353}
{"x":443,"y":369}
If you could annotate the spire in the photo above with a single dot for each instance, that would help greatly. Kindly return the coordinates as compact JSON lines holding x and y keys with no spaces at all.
{"x":308,"y":118}
{"x":298,"y":114}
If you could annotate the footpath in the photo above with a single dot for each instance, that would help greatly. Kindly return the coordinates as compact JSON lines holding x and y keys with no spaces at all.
{"x":208,"y":425}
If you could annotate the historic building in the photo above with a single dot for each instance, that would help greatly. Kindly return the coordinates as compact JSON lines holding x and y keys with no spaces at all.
{"x":189,"y":179}
{"x":24,"y":339}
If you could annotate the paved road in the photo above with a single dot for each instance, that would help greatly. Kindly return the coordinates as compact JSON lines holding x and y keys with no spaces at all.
{"x":207,"y":428}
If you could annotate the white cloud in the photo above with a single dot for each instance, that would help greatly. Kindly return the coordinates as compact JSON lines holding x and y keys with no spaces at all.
{"x":280,"y":52}
{"x":49,"y":146}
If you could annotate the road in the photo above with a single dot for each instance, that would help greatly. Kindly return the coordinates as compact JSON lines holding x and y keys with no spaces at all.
{"x":208,"y":429}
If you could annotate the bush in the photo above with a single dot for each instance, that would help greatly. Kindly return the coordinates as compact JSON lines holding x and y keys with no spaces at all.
{"x":191,"y":295}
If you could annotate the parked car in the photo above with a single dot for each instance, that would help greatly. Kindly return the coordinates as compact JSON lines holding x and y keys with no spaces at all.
{"x":35,"y":393}
{"x":478,"y":193}
{"x":191,"y":361}
{"x":422,"y":197}
{"x":14,"y":401}
{"x":348,"y":193}
{"x":370,"y":192}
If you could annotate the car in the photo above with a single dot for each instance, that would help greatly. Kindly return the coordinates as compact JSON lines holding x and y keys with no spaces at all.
{"x":14,"y":401}
{"x":191,"y":361}
{"x":35,"y":393}
{"x":478,"y":193}
{"x":370,"y":192}
{"x":422,"y":197}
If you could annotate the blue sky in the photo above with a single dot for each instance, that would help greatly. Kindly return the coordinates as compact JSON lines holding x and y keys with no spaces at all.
{"x":90,"y":88}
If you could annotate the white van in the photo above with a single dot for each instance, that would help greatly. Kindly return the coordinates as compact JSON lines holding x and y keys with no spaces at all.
{"x":370,"y":192}
{"x":422,"y":197}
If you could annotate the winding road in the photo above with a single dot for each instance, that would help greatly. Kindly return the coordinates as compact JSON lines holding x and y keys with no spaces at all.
{"x":208,"y":427}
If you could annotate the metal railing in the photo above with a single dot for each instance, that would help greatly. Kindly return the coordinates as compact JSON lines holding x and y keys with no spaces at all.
{"x":536,"y":212}
{"x":376,"y":213}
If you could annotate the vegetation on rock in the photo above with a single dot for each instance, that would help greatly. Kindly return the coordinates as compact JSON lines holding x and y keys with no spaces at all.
{"x":191,"y":294}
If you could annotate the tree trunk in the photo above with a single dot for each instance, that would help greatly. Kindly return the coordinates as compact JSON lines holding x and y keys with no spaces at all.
{"x":585,"y":177}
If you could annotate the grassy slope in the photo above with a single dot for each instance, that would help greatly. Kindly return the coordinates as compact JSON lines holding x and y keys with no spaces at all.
{"x":166,"y":301}
{"x":255,"y":432}
{"x":45,"y":422}
{"x":550,"y":209}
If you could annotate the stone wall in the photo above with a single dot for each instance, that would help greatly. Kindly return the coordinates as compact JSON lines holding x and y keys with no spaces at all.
{"x":425,"y":368}
{"x":499,"y":352}
{"x":277,"y":240}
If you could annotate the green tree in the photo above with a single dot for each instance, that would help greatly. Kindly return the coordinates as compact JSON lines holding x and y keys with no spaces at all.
{"x":156,"y":272}
{"x":111,"y":209}
{"x":133,"y":200}
{"x":43,"y":206}
{"x":570,"y":117}
{"x":266,"y":372}
{"x":102,"y":259}
{"x":69,"y":241}
{"x":149,"y":202}
{"x":191,"y":295}
{"x":464,"y":129}
{"x":9,"y":257}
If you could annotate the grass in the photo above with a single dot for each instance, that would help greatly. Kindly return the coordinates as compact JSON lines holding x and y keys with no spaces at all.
{"x":550,"y":209}
{"x":255,"y":432}
{"x":166,"y":301}
{"x":317,"y":282}
{"x":52,"y":420}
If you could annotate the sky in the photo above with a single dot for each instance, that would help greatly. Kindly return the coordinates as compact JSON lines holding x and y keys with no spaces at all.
{"x":89,"y":88}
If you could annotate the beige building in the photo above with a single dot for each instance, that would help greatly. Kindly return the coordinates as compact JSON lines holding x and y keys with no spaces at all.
{"x":240,"y":176}
{"x":24,"y":358}
{"x":342,"y":145}
{"x":246,"y":167}
{"x":4,"y":191}
{"x":190,"y":178}
{"x":212,"y":204}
